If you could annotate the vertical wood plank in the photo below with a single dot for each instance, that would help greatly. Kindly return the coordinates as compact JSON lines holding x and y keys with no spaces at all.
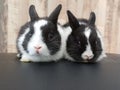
{"x":80,"y":8}
{"x":115,"y":27}
{"x":17,"y":16}
{"x":100,"y":17}
{"x":3,"y":26}
{"x":72,"y":6}
{"x":118,"y":38}
{"x":108,"y":26}
{"x":41,"y":6}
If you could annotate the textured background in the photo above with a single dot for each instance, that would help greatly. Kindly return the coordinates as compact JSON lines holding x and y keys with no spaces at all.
{"x":14,"y":13}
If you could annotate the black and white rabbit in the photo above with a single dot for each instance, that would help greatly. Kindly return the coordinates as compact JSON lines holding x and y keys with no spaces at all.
{"x":41,"y":39}
{"x":84,"y":43}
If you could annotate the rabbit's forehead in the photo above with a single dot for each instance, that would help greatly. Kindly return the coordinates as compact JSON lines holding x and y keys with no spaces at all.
{"x":40,"y":23}
{"x":87,"y":32}
{"x":38,"y":31}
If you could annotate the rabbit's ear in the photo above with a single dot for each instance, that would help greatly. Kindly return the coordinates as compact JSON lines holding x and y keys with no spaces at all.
{"x":72,"y":20}
{"x":33,"y":14}
{"x":92,"y":19}
{"x":54,"y":15}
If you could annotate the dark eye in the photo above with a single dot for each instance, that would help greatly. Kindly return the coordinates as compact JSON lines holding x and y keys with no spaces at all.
{"x":50,"y":36}
{"x":97,"y":41}
{"x":98,"y":44}
{"x":78,"y":41}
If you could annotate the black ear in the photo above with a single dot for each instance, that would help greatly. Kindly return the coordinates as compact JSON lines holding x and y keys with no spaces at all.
{"x":72,"y":20}
{"x":92,"y":18}
{"x":33,"y":14}
{"x":54,"y":15}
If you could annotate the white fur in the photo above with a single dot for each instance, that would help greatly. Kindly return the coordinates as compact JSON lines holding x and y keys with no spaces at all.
{"x":87,"y":32}
{"x":88,"y":52}
{"x":20,"y":41}
{"x":67,"y":32}
{"x":37,"y":40}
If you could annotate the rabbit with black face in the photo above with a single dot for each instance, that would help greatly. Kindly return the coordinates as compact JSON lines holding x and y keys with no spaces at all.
{"x":41,"y":39}
{"x":84,"y":43}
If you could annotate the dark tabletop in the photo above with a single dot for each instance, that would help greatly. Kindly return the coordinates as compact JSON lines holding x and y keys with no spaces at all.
{"x":62,"y":75}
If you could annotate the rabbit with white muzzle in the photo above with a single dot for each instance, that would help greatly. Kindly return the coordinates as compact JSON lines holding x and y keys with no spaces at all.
{"x":41,"y":39}
{"x":84,"y":43}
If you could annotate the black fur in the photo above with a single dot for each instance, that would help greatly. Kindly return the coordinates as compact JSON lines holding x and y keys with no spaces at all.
{"x":50,"y":33}
{"x":79,"y":19}
{"x":28,"y":37}
{"x":22,"y":30}
{"x":54,"y":15}
{"x":33,"y":14}
{"x":76,"y":43}
{"x":92,"y":19}
{"x":51,"y":37}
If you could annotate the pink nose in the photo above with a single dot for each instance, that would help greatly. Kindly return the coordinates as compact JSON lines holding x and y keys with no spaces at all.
{"x":89,"y":56}
{"x":37,"y":47}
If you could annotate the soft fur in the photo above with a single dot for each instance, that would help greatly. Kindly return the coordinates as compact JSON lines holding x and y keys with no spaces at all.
{"x":43,"y":33}
{"x":84,"y":43}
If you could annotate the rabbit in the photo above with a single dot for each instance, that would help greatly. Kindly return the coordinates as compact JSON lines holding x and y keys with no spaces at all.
{"x":41,"y":39}
{"x":84,"y":42}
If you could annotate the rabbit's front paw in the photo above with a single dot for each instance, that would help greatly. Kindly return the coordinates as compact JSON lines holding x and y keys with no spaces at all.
{"x":25,"y":60}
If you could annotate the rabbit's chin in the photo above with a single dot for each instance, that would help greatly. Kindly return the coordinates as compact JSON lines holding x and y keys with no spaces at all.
{"x":39,"y":53}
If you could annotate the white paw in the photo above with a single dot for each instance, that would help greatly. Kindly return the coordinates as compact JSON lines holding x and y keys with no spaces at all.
{"x":25,"y":60}
{"x":18,"y":55}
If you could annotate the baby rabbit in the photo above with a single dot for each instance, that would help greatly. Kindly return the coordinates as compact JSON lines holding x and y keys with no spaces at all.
{"x":41,"y":39}
{"x":84,"y":43}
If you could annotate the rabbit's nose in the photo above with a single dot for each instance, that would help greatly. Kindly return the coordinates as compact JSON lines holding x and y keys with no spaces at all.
{"x":37,"y":47}
{"x":88,"y":57}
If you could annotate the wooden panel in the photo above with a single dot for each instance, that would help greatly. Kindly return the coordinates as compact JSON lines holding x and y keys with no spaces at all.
{"x":115,"y":27}
{"x":3,"y":26}
{"x":41,"y":6}
{"x":112,"y":29}
{"x":17,"y":16}
{"x":51,"y":7}
{"x":107,"y":13}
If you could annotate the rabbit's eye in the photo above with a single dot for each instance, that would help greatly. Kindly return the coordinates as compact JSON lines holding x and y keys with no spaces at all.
{"x":79,"y":43}
{"x":78,"y":40}
{"x":96,"y":42}
{"x":50,"y":36}
{"x":98,"y":46}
